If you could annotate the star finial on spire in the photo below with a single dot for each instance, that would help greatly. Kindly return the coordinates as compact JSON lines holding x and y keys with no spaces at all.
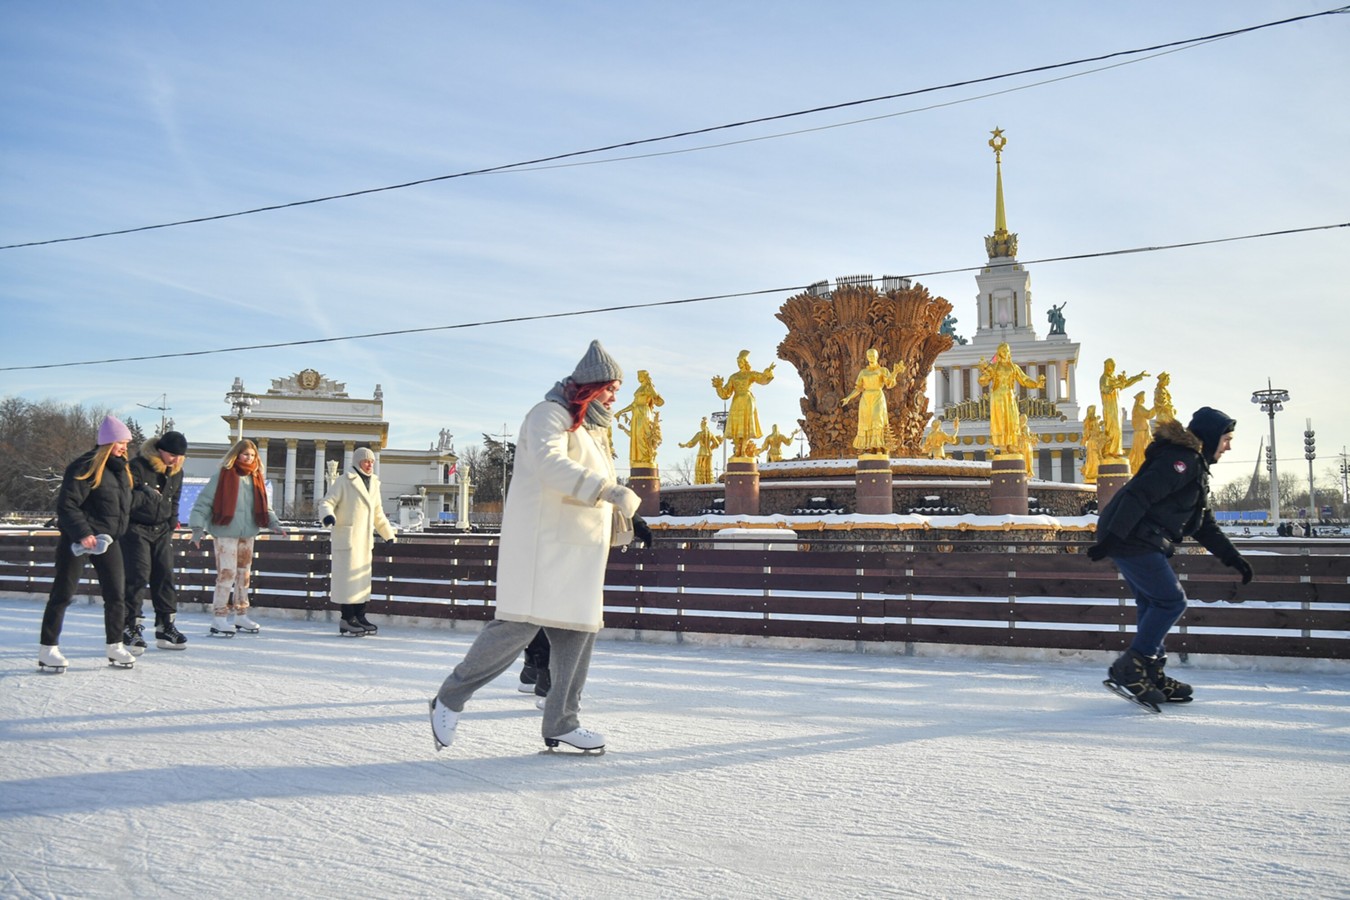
{"x":998,"y":142}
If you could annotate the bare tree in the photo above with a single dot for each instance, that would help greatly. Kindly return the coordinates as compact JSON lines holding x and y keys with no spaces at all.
{"x":37,"y":441}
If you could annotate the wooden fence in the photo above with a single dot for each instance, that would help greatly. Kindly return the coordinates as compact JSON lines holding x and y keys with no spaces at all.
{"x":911,"y":592}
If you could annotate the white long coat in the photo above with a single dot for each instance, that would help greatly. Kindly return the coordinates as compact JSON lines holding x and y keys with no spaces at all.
{"x":358,"y":514}
{"x":555,"y":529}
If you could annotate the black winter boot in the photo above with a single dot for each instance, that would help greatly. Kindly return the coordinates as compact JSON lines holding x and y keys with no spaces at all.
{"x":349,"y":626}
{"x":1175,"y":691}
{"x":360,"y":615}
{"x":1131,"y":672}
{"x":542,"y":682}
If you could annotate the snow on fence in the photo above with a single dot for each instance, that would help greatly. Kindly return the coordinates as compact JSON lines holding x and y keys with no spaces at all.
{"x":1297,"y":605}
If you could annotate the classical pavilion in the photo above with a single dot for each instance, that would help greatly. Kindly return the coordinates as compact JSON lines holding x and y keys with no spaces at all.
{"x":308,"y":427}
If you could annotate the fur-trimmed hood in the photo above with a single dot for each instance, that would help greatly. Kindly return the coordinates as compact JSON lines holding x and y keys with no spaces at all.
{"x":150,"y":452}
{"x":1173,"y":432}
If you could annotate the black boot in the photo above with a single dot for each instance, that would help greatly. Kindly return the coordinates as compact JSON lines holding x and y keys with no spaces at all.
{"x":536,"y":665}
{"x":360,"y":616}
{"x":1175,"y":691}
{"x":349,"y":626}
{"x":1131,"y":672}
{"x":168,"y":637}
{"x":133,"y":637}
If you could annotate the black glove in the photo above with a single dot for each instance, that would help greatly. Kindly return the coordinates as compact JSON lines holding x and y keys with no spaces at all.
{"x":1243,"y":568}
{"x":1097,"y":552}
{"x":641,"y":531}
{"x":329,"y":520}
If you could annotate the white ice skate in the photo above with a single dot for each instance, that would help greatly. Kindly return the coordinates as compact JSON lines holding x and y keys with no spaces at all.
{"x":51,"y":659}
{"x":580,"y":738}
{"x":221,"y":627}
{"x":245,"y":625}
{"x":119,"y":658}
{"x":444,"y":721}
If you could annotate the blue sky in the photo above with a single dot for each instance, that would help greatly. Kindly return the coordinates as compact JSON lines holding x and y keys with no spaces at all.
{"x":122,"y":115}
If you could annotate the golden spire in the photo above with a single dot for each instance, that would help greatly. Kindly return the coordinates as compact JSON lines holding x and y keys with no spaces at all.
{"x":1001,"y":243}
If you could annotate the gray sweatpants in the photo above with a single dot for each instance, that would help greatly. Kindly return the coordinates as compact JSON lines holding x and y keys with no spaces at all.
{"x":498,"y":646}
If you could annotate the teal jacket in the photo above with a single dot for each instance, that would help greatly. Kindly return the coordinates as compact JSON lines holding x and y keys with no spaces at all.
{"x":242,"y":525}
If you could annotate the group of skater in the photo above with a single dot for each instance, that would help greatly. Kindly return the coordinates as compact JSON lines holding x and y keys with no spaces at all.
{"x":565,"y":510}
{"x":121,"y":515}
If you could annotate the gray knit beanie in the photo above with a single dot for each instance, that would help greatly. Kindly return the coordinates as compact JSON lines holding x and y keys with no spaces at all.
{"x":362,"y":454}
{"x":596,"y":366}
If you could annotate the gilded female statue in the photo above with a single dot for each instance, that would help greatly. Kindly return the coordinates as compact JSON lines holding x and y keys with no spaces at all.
{"x":935,"y":444}
{"x":705,"y":442}
{"x":742,"y":428}
{"x":643,"y":429}
{"x":1163,"y":410}
{"x":1141,"y":437}
{"x":1003,"y":377}
{"x":874,"y":421}
{"x":1026,"y":443}
{"x":1092,"y":446}
{"x":775,"y":441}
{"x":1111,"y":386}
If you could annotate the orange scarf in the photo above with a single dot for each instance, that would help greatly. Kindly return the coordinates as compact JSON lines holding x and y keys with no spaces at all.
{"x":227,"y":494}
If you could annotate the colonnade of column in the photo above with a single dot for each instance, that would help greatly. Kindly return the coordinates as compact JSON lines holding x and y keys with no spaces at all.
{"x":291,"y":477}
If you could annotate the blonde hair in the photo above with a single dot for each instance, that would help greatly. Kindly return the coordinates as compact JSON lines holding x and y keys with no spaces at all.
{"x":238,"y":448}
{"x":99,"y":463}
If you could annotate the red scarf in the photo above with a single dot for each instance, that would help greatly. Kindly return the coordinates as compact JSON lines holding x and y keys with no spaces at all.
{"x":227,"y":494}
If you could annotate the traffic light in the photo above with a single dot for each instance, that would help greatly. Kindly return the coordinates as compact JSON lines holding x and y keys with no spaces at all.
{"x":1309,"y":445}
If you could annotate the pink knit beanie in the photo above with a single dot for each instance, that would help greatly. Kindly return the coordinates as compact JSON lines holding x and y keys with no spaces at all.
{"x":111,"y":430}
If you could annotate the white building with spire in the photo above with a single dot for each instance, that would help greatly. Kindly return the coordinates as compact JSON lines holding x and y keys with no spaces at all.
{"x":1004,"y":312}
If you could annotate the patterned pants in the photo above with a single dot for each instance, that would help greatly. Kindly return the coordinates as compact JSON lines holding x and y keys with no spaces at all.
{"x":234,"y":560}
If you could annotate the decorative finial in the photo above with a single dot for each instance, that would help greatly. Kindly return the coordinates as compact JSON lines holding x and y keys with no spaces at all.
{"x":998,"y":142}
{"x":1002,"y":244}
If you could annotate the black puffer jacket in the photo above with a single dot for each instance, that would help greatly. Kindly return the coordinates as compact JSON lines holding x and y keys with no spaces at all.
{"x":1167,"y":500}
{"x":82,"y":509}
{"x":154,"y":502}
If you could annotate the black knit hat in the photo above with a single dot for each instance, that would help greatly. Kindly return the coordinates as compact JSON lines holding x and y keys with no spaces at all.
{"x":173,"y":442}
{"x":1210,"y":425}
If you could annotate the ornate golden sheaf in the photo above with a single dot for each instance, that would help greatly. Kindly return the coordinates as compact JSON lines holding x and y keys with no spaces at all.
{"x":828,"y":335}
{"x":978,"y":409}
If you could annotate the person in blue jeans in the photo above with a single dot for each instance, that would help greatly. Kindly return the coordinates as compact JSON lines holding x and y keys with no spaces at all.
{"x":1165,"y":502}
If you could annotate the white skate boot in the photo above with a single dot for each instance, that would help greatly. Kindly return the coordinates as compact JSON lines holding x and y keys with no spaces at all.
{"x":580,"y":738}
{"x":119,"y":658}
{"x":245,"y":625}
{"x":50,"y":658}
{"x":444,"y":721}
{"x":221,"y":627}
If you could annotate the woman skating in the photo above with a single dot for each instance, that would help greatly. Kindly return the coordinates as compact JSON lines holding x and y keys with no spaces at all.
{"x":556,"y":533}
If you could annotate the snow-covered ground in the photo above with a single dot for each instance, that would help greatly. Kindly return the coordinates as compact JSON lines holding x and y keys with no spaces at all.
{"x":295,"y":763}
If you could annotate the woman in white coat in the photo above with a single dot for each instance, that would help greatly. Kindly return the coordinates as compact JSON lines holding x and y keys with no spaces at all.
{"x":353,"y":509}
{"x":557,"y":528}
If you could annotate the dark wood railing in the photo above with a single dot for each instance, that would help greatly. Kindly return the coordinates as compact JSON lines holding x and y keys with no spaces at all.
{"x":911,"y":592}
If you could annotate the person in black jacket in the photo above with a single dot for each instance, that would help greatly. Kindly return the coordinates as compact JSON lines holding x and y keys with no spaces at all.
{"x":147,"y":548}
{"x":93,"y":509}
{"x":1166,"y":501}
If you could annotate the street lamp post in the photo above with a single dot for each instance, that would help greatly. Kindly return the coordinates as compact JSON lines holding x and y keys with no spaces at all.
{"x":240,"y":403}
{"x":1345,"y":477}
{"x":1310,"y":453}
{"x":1271,"y":401}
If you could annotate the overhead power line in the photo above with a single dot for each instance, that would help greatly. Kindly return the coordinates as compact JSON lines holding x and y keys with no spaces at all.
{"x":682,"y":134}
{"x":796,"y":288}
